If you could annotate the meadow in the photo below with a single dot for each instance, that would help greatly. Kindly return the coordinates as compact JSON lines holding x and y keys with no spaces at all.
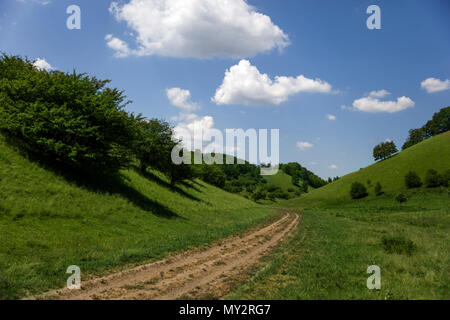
{"x":51,"y":219}
{"x":339,"y":238}
{"x":328,"y":256}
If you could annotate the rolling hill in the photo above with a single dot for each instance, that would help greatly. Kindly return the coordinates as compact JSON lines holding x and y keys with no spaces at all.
{"x":50,"y":220}
{"x":433,"y":153}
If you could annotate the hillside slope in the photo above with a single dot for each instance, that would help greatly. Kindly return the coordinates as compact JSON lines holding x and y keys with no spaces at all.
{"x":281,"y":179}
{"x":433,"y":153}
{"x":49,"y":221}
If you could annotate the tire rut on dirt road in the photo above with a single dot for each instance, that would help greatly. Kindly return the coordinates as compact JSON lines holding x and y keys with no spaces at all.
{"x":191,"y":274}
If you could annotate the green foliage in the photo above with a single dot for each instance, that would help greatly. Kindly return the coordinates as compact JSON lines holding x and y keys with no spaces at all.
{"x":154,"y":144}
{"x":399,"y":245}
{"x":297,"y":172}
{"x":384,"y":150}
{"x":440,"y":123}
{"x":73,"y":118}
{"x":432,"y":179}
{"x":213,"y":174}
{"x":378,"y":189}
{"x":412,"y":180}
{"x":358,"y":190}
{"x":401,"y":198}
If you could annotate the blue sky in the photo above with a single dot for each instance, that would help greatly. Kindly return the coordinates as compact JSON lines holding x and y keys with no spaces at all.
{"x":326,"y":40}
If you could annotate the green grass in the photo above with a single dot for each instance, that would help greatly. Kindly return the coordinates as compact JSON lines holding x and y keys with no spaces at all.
{"x":282,"y":180}
{"x":49,"y":221}
{"x":339,"y":238}
{"x":433,"y":153}
{"x":328,"y":256}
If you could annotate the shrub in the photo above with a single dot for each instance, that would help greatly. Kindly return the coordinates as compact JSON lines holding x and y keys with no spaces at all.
{"x":412,"y":180}
{"x":358,"y":191}
{"x":401,"y":198}
{"x":73,"y":118}
{"x":432,"y":179}
{"x":378,"y":189}
{"x":399,"y":245}
{"x":445,"y":178}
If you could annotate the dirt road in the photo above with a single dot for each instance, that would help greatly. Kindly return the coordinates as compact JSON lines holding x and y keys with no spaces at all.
{"x":191,"y":274}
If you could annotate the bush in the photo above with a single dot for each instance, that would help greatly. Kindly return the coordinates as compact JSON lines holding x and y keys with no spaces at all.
{"x":432,"y":179}
{"x":401,"y":198}
{"x":412,"y":180}
{"x":445,"y":178}
{"x":399,"y":245}
{"x":378,"y":189}
{"x":69,"y":118}
{"x":358,"y":191}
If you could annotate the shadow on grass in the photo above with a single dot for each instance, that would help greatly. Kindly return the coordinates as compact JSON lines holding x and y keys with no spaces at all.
{"x":153,"y":177}
{"x":97,"y":182}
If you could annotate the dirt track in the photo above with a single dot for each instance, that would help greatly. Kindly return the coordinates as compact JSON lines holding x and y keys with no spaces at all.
{"x":191,"y":274}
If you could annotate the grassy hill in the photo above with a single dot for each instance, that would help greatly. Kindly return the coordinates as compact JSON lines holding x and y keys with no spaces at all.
{"x":281,"y":179}
{"x":433,"y":153}
{"x":50,"y":220}
{"x":340,"y":238}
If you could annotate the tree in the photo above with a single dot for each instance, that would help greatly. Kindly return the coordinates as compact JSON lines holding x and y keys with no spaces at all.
{"x":358,"y":190}
{"x":432,"y":179}
{"x":401,"y":198}
{"x":412,"y":180}
{"x":438,"y":124}
{"x":384,"y":150}
{"x":295,"y":179}
{"x":68,"y":118}
{"x":154,"y":144}
{"x":378,"y":189}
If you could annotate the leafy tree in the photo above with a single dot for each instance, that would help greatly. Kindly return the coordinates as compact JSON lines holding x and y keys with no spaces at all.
{"x":445,"y":178}
{"x":384,"y":150}
{"x":415,"y":136}
{"x":154,"y":144}
{"x":438,"y":124}
{"x":378,"y":189}
{"x":358,"y":190}
{"x":401,"y":198}
{"x":412,"y":180}
{"x":73,"y":119}
{"x":432,"y":179}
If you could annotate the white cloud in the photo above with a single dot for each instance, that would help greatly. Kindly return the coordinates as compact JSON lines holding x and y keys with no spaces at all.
{"x":181,"y":98}
{"x":331,"y":117}
{"x":119,"y":46}
{"x":198,"y":28}
{"x":379,"y":94}
{"x":244,"y":84}
{"x":373,"y":105}
{"x":303,"y":145}
{"x":41,"y":2}
{"x":432,"y":85}
{"x":332,"y":167}
{"x":313,"y":163}
{"x":41,"y":64}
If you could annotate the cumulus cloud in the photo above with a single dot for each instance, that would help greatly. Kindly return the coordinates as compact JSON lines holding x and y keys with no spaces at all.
{"x":120,"y":47}
{"x":331,"y":117}
{"x":181,"y":98}
{"x":244,"y":84}
{"x":374,"y":105}
{"x":332,"y":167}
{"x":303,"y":145}
{"x":432,"y":85}
{"x":196,"y":28}
{"x":41,"y":64}
{"x":379,"y":94}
